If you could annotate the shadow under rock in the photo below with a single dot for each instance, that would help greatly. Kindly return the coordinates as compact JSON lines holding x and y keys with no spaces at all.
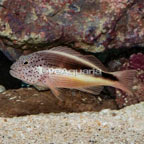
{"x":5,"y":78}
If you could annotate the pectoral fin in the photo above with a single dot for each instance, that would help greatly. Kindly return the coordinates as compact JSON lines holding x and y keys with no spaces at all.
{"x":46,"y":81}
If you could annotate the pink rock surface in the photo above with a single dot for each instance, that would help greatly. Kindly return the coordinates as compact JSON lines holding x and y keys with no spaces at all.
{"x":92,"y":25}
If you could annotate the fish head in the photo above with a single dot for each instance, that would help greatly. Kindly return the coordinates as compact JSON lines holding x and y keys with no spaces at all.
{"x":27,"y":68}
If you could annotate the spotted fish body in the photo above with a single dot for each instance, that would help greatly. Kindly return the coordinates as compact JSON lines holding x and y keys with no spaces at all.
{"x":39,"y":69}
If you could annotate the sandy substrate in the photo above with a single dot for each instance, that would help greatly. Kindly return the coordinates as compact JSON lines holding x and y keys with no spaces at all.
{"x":106,"y":127}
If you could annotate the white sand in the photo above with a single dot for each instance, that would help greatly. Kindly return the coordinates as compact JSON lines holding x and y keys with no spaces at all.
{"x":106,"y":127}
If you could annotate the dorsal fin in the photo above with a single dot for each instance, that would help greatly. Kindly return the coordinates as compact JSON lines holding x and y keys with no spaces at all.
{"x":67,"y":50}
{"x":96,"y":62}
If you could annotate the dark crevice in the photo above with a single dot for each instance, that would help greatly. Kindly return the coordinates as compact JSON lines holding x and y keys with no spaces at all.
{"x":5,"y":78}
{"x":115,"y":54}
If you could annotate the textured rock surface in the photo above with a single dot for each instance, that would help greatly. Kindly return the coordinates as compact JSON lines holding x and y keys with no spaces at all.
{"x":2,"y":88}
{"x":29,"y":101}
{"x":92,"y":25}
{"x":118,"y":127}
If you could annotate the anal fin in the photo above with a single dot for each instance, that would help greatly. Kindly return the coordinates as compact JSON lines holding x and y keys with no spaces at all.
{"x":93,"y":90}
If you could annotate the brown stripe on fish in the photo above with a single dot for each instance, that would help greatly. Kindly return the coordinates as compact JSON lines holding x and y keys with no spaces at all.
{"x":97,"y":73}
{"x":56,"y":60}
{"x":109,"y":76}
{"x":67,"y":58}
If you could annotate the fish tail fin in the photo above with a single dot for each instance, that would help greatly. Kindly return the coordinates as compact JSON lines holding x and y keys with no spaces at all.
{"x":125,"y":80}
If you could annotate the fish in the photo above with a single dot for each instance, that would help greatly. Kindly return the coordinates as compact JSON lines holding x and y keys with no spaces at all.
{"x":63,"y":67}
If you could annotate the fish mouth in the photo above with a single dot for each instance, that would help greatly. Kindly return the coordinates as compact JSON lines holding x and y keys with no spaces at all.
{"x":13,"y":73}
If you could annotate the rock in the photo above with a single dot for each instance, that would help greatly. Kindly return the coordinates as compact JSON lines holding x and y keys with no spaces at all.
{"x":104,"y":127}
{"x":2,"y":88}
{"x":26,"y":101}
{"x":90,"y":25}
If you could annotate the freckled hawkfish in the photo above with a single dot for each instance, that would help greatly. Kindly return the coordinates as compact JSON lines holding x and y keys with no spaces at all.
{"x":62,"y":67}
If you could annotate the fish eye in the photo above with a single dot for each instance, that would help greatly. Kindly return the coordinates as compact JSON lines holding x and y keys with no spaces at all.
{"x":26,"y":62}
